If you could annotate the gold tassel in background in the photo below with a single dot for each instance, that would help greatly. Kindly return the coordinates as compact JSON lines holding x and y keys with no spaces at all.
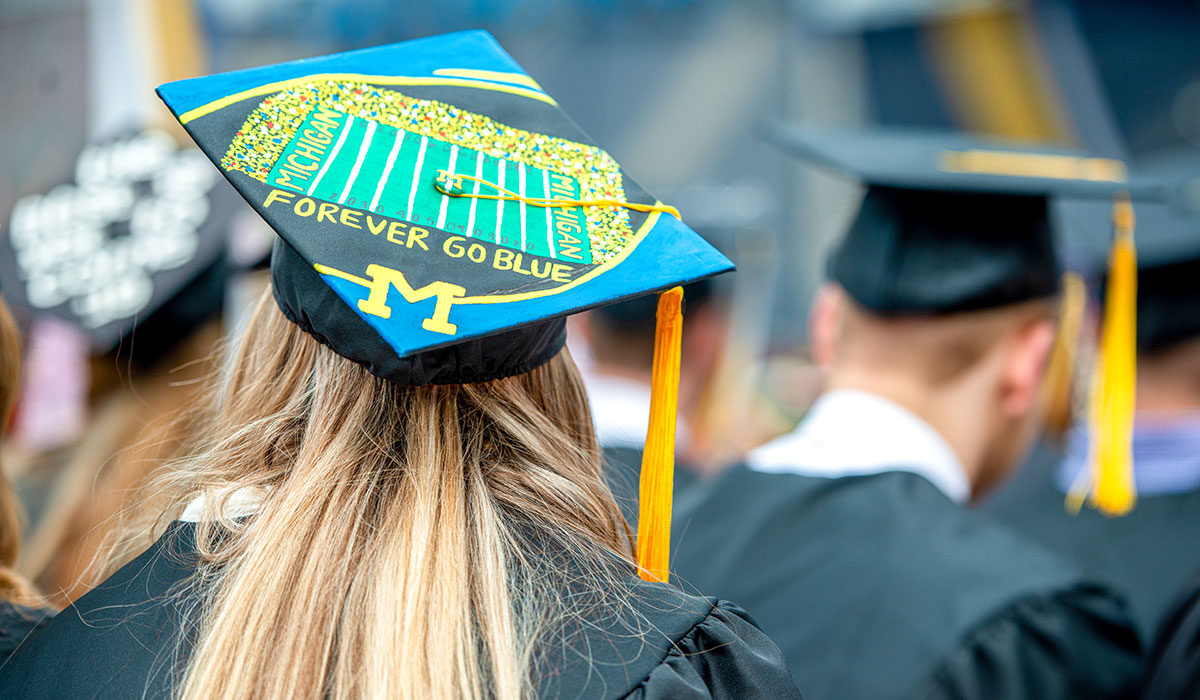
{"x":658,"y":459}
{"x":1111,"y":453}
{"x":1057,"y":388}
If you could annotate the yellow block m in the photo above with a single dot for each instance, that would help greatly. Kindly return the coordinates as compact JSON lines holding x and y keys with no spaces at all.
{"x":384,"y":278}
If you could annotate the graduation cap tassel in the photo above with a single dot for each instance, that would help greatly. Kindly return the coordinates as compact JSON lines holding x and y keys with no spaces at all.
{"x":1113,"y":490}
{"x":658,"y":458}
{"x":1060,"y":372}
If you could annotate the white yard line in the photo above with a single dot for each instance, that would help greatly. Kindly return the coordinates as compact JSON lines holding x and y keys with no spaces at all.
{"x":387,"y":168}
{"x":521,"y":191}
{"x":416,"y":177}
{"x":362,"y":153}
{"x":441,"y":222}
{"x":549,"y":217}
{"x":475,"y":200}
{"x":500,"y":202}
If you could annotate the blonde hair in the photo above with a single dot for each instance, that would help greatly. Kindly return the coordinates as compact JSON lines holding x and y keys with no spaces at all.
{"x":413,"y":542}
{"x":12,"y":587}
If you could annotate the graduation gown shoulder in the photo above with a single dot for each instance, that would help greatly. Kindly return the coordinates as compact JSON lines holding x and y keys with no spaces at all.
{"x":1147,"y":554}
{"x":17,"y":622}
{"x":880,"y":587}
{"x":129,"y":638}
{"x":623,"y":471}
{"x":1174,"y":665}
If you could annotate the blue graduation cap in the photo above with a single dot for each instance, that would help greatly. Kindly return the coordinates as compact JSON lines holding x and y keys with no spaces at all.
{"x":444,"y":199}
{"x":439,"y":215}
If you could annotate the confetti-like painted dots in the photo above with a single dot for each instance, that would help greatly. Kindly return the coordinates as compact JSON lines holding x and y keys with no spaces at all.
{"x":270,"y":127}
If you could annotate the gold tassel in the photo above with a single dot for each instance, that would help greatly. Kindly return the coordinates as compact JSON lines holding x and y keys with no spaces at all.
{"x":1111,"y":453}
{"x":1058,"y":397}
{"x":658,"y":457}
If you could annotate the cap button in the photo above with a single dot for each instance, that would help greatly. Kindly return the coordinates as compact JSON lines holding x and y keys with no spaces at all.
{"x":448,"y":183}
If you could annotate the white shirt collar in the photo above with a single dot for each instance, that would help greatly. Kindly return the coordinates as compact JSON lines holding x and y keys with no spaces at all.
{"x":621,"y":411}
{"x":855,"y":433}
{"x":242,"y":502}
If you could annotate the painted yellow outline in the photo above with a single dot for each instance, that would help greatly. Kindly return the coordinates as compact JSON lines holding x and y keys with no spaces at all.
{"x":224,"y":102}
{"x":493,"y":76}
{"x":334,"y":272}
{"x":642,"y":231}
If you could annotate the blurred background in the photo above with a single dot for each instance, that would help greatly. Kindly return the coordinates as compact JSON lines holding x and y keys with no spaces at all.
{"x":676,"y":90}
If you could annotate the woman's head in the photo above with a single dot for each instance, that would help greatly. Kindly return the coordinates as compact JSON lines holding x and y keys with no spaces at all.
{"x":406,"y":534}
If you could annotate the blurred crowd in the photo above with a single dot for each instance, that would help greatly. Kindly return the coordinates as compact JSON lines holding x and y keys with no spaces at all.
{"x":900,"y":442}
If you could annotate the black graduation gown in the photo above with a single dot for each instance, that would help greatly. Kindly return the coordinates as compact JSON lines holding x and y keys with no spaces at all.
{"x":1174,"y":666}
{"x":119,"y":641}
{"x":623,"y":470}
{"x":1147,"y":555}
{"x":880,"y":587}
{"x":17,"y":622}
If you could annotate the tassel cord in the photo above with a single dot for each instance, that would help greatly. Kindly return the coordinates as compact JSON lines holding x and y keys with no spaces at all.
{"x":658,"y":457}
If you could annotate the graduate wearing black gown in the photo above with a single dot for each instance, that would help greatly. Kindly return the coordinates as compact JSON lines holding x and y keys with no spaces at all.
{"x":1150,"y":552}
{"x":385,"y":332}
{"x":850,"y":539}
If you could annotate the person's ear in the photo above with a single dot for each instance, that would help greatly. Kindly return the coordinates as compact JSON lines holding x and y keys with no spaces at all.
{"x":823,"y":322}
{"x":1025,"y":366}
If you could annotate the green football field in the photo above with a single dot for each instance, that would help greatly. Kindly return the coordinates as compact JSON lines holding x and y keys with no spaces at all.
{"x":389,"y":171}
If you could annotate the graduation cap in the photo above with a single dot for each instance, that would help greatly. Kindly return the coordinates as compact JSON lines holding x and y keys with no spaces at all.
{"x":638,"y":314}
{"x":135,"y":238}
{"x":439,"y":216}
{"x":953,"y":224}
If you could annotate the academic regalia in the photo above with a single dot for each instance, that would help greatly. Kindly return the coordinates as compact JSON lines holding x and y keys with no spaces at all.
{"x":427,"y":268}
{"x":119,"y":641}
{"x":1147,"y":554}
{"x":850,"y":538}
{"x":1150,"y":552}
{"x":1174,"y":667}
{"x":17,"y":623}
{"x":843,"y":555}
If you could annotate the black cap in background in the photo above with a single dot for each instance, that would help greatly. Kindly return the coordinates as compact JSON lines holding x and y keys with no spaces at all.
{"x":949,"y":223}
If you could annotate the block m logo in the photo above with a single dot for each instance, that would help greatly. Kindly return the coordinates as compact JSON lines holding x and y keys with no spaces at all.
{"x":384,"y":278}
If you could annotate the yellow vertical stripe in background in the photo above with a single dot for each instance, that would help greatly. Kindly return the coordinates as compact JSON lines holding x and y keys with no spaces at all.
{"x":994,"y":76}
{"x":172,"y":43}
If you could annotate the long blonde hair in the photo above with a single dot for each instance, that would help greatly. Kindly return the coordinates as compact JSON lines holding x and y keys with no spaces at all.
{"x":412,"y":542}
{"x":12,"y":587}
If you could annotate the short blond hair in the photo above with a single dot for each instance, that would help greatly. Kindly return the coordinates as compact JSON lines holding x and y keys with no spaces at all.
{"x":939,"y":349}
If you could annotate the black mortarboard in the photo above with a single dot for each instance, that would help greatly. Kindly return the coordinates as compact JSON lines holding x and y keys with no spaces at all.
{"x":439,"y":216}
{"x":949,"y":223}
{"x":135,"y":238}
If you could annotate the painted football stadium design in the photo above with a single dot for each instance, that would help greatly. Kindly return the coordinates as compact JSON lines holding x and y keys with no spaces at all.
{"x":379,"y":150}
